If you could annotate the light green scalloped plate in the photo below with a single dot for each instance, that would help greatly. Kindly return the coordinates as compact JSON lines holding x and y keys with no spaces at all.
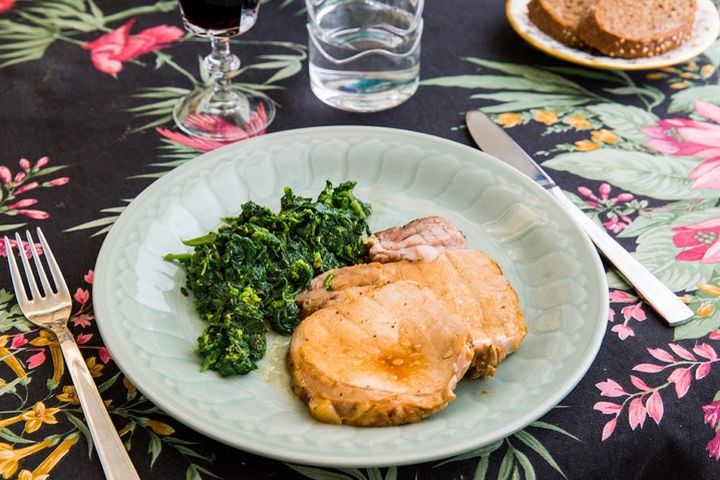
{"x":150,"y":327}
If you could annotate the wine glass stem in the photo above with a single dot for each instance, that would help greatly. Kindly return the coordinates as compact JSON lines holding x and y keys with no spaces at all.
{"x":220,"y":65}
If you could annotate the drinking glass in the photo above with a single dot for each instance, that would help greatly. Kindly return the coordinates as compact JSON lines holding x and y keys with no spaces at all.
{"x":364,"y":54}
{"x":221,"y":111}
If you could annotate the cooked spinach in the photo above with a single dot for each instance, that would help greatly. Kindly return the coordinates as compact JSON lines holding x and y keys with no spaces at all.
{"x":245,"y":276}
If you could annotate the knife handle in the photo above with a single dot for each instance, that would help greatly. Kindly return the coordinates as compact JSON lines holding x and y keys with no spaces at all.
{"x":654,"y":292}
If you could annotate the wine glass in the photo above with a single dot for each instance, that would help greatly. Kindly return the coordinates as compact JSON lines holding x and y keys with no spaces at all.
{"x":222,"y":111}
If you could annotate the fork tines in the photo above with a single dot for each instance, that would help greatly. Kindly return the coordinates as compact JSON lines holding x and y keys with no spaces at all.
{"x":61,"y":289}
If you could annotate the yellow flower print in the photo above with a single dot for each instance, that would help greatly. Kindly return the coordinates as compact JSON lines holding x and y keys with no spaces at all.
{"x":94,"y":367}
{"x":132,"y":391}
{"x":710,"y":289}
{"x":692,"y":66}
{"x":578,"y":122}
{"x":68,"y":395}
{"x":510,"y":119}
{"x":546,"y":117}
{"x":39,"y":415}
{"x":605,"y":136}
{"x":688,"y":75}
{"x":10,"y":458}
{"x":586,"y":145}
{"x":679,"y":85}
{"x":705,"y":310}
{"x":11,"y":421}
{"x":655,"y":76}
{"x":42,"y":471}
{"x":160,"y":428}
{"x":47,"y":339}
{"x":707,"y":70}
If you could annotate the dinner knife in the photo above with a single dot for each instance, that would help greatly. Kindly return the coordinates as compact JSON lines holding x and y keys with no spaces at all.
{"x":493,"y":140}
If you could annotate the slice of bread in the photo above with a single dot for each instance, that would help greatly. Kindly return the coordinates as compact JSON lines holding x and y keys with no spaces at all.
{"x":637,"y":28}
{"x":560,"y":18}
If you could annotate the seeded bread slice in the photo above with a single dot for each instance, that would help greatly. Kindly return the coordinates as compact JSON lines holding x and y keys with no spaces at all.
{"x":638,"y":28}
{"x":560,"y":18}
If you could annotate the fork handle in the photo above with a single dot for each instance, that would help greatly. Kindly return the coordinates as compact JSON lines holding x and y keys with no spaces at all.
{"x":113,"y":456}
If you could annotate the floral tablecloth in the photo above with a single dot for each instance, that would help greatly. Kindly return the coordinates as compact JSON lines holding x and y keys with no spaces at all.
{"x":86,"y":92}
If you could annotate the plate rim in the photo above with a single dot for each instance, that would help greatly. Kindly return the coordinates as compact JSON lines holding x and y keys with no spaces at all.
{"x":103,"y":311}
{"x":602,"y":64}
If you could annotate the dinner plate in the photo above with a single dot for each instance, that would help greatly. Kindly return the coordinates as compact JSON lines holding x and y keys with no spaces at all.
{"x":705,"y":31}
{"x":151,"y":328}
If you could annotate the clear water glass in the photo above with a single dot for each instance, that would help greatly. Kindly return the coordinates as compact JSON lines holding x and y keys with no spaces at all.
{"x":364,"y":54}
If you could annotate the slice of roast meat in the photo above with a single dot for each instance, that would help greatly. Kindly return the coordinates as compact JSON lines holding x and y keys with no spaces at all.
{"x":421,"y":240}
{"x":388,"y":357}
{"x":468,"y":282}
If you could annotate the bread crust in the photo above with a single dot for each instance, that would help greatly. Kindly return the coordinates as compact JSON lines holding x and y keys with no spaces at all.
{"x":557,"y":27}
{"x":595,"y":34}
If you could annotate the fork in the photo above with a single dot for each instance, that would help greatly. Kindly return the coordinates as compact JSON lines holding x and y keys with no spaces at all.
{"x":51,"y":310}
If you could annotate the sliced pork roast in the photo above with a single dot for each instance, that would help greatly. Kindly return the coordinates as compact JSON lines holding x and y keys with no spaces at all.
{"x":421,"y":240}
{"x":468,"y":282}
{"x":390,"y":356}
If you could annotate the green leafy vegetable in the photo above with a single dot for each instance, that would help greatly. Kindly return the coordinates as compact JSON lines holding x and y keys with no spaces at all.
{"x":246,"y":275}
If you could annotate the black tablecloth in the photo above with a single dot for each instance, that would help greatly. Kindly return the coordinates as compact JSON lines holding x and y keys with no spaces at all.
{"x":637,"y":152}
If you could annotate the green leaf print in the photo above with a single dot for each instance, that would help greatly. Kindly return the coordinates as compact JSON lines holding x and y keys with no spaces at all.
{"x":626,"y":120}
{"x":665,"y":215}
{"x":684,"y":100}
{"x":656,"y":176}
{"x":698,"y":328}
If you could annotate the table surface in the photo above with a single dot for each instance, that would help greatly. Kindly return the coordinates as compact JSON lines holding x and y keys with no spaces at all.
{"x":86,"y":127}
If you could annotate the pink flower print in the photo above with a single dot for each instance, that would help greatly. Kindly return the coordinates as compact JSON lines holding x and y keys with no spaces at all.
{"x":212,"y":124}
{"x":109,"y":51}
{"x":713,"y":447}
{"x":18,"y":341}
{"x":615,"y":225}
{"x":41,"y":163}
{"x":661,"y":355}
{"x":700,"y":241}
{"x":81,"y":296}
{"x":655,"y":407}
{"x":36,"y":360}
{"x":623,"y":331}
{"x":25,"y":164}
{"x":199,"y":144}
{"x":83,"y":338}
{"x":618,"y":296}
{"x":609,"y":429}
{"x":637,"y":413}
{"x":104,"y":355}
{"x":81,"y":321}
{"x":34,"y":214}
{"x":604,"y":204}
{"x":89,"y":276}
{"x":610,"y":388}
{"x":58,"y":181}
{"x":25,"y":245}
{"x":634,"y":311}
{"x":26,"y":187}
{"x":679,"y":136}
{"x":711,"y":413}
{"x":681,"y":377}
{"x":714,"y":335}
{"x":6,"y":5}
{"x":24,"y":203}
{"x":5,"y":175}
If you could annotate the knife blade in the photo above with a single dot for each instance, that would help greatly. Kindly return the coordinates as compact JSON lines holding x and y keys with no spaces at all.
{"x":493,"y":140}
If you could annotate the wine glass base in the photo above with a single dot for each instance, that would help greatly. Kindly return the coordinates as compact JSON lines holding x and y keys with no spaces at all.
{"x":236,"y":115}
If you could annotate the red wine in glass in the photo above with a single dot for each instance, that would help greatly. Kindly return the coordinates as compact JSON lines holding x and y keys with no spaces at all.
{"x":219,"y":17}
